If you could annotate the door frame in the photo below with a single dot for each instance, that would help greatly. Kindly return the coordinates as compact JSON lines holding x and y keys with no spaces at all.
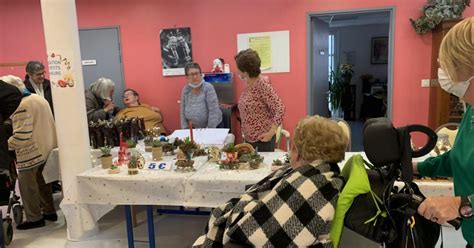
{"x":309,"y":59}
{"x":122,"y":71}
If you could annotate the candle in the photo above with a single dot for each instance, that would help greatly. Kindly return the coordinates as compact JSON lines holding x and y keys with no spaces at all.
{"x":191,"y":130}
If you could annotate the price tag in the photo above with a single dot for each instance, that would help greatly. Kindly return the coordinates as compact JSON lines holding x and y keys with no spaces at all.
{"x":159,"y":166}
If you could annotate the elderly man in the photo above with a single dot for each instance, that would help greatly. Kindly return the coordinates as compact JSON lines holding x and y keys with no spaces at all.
{"x":36,"y":83}
{"x":33,"y":138}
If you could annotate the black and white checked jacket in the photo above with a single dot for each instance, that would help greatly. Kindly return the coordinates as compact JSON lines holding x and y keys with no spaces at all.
{"x":288,"y":208}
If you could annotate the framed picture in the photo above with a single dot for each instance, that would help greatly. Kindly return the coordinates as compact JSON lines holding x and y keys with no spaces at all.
{"x":176,"y":50}
{"x":379,"y":51}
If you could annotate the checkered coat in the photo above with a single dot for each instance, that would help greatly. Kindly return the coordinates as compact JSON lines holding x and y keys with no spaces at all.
{"x":288,"y":208}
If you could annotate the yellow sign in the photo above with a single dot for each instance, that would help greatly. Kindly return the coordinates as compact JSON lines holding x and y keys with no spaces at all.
{"x":263,"y":46}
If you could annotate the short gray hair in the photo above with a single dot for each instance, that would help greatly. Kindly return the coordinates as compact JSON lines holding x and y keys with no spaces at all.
{"x":102,"y":87}
{"x":15,"y":81}
{"x":191,"y":65}
{"x":34,"y":66}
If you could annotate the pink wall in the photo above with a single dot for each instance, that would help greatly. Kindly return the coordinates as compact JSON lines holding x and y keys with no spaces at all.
{"x":214,"y":28}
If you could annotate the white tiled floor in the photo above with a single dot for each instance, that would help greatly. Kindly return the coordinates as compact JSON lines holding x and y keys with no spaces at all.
{"x":171,"y":231}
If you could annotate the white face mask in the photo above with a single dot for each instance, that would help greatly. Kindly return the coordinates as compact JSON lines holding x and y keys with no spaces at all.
{"x":194,"y":86}
{"x":456,"y":88}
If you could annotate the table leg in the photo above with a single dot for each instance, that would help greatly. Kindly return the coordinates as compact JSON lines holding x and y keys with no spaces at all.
{"x":134,"y":216}
{"x":128,"y":219}
{"x":151,"y":226}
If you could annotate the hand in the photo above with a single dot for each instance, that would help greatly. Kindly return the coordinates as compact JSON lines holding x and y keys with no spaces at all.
{"x":440,"y":209}
{"x":109,"y":107}
{"x":155,"y":109}
{"x":266,"y":136}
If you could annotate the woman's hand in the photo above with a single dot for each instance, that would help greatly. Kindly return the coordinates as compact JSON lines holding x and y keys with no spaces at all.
{"x":265,"y":137}
{"x":109,"y":106}
{"x":440,"y":209}
{"x":155,"y":109}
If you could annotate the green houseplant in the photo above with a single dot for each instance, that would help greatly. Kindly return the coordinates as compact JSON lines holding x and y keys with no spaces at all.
{"x":436,"y":11}
{"x":106,"y":158}
{"x":156,"y":149}
{"x":336,"y":91}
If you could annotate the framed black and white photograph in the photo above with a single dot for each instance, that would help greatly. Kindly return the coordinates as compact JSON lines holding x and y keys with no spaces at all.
{"x":176,"y":50}
{"x":379,"y":51}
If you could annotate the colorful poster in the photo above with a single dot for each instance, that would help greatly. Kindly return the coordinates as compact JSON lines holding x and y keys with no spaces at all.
{"x":60,"y":69}
{"x":263,"y":46}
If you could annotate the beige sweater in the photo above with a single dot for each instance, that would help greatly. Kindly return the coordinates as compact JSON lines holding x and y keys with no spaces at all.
{"x":34,"y":132}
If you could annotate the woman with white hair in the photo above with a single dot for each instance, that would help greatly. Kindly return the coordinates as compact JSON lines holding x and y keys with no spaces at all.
{"x":33,"y":138}
{"x":99,"y":100}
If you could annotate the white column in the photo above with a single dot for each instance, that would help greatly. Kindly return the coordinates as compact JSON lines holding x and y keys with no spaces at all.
{"x":64,"y":59}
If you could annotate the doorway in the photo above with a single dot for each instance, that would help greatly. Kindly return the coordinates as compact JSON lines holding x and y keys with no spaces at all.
{"x":102,"y":57}
{"x":350,"y":66}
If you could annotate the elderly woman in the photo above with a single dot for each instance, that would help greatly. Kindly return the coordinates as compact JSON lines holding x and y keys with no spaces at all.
{"x":99,"y":104}
{"x":456,"y":76}
{"x":261,"y":110}
{"x":33,"y":138}
{"x":199,"y":103}
{"x":292,"y":207}
{"x":151,"y":115}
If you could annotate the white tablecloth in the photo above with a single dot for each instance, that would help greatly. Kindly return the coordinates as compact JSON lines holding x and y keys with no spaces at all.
{"x":98,"y":192}
{"x":211,"y":186}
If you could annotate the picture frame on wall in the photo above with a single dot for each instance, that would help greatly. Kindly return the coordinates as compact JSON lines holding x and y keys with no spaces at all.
{"x":379,"y":50}
{"x":176,"y":50}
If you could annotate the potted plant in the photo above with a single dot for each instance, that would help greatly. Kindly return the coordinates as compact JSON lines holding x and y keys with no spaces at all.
{"x":106,"y":158}
{"x":437,"y":11}
{"x":346,"y":72}
{"x":188,"y":147}
{"x":335,"y":93}
{"x":157,"y":150}
{"x":134,"y":164}
{"x":255,"y":160}
{"x":231,"y":153}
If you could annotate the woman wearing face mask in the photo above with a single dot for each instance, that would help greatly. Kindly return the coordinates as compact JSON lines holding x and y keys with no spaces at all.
{"x":199,"y":103}
{"x":456,"y":77}
{"x":261,"y":110}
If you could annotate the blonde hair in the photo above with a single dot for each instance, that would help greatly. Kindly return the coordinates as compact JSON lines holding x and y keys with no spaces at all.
{"x":15,"y":81}
{"x":457,"y":48}
{"x":317,"y":137}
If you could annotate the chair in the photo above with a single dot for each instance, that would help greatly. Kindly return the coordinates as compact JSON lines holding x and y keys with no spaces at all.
{"x":279,"y":133}
{"x":346,"y":128}
{"x":450,"y":129}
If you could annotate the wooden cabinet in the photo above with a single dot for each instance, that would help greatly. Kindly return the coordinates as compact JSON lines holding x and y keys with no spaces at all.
{"x":443,"y":107}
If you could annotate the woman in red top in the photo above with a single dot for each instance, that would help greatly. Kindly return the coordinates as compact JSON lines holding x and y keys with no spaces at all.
{"x":261,"y":110}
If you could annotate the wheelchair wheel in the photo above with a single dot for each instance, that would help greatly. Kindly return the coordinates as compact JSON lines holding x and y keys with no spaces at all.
{"x":17,"y":213}
{"x":7,"y":231}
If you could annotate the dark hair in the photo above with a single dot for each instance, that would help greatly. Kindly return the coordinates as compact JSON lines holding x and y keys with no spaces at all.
{"x":34,"y":66}
{"x":135,"y":93}
{"x":191,"y":65}
{"x":248,"y":61}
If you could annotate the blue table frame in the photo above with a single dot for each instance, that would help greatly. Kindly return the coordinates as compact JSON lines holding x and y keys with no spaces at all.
{"x":150,"y":223}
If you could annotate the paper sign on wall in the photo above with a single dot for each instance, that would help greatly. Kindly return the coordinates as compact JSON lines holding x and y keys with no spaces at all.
{"x":60,"y":69}
{"x":263,"y":46}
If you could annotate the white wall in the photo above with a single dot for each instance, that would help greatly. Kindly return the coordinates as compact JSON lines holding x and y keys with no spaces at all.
{"x":358,"y":40}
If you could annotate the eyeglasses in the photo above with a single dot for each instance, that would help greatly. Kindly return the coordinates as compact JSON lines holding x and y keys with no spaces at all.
{"x":127,"y":95}
{"x":192,"y":74}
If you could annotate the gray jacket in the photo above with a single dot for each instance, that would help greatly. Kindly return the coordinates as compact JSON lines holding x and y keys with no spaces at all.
{"x":95,"y":108}
{"x":202,"y":108}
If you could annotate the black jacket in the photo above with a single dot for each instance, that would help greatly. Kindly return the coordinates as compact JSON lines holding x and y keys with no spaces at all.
{"x":10,"y":98}
{"x":46,"y":89}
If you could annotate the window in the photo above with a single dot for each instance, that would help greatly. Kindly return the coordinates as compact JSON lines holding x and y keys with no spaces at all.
{"x":330,"y":54}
